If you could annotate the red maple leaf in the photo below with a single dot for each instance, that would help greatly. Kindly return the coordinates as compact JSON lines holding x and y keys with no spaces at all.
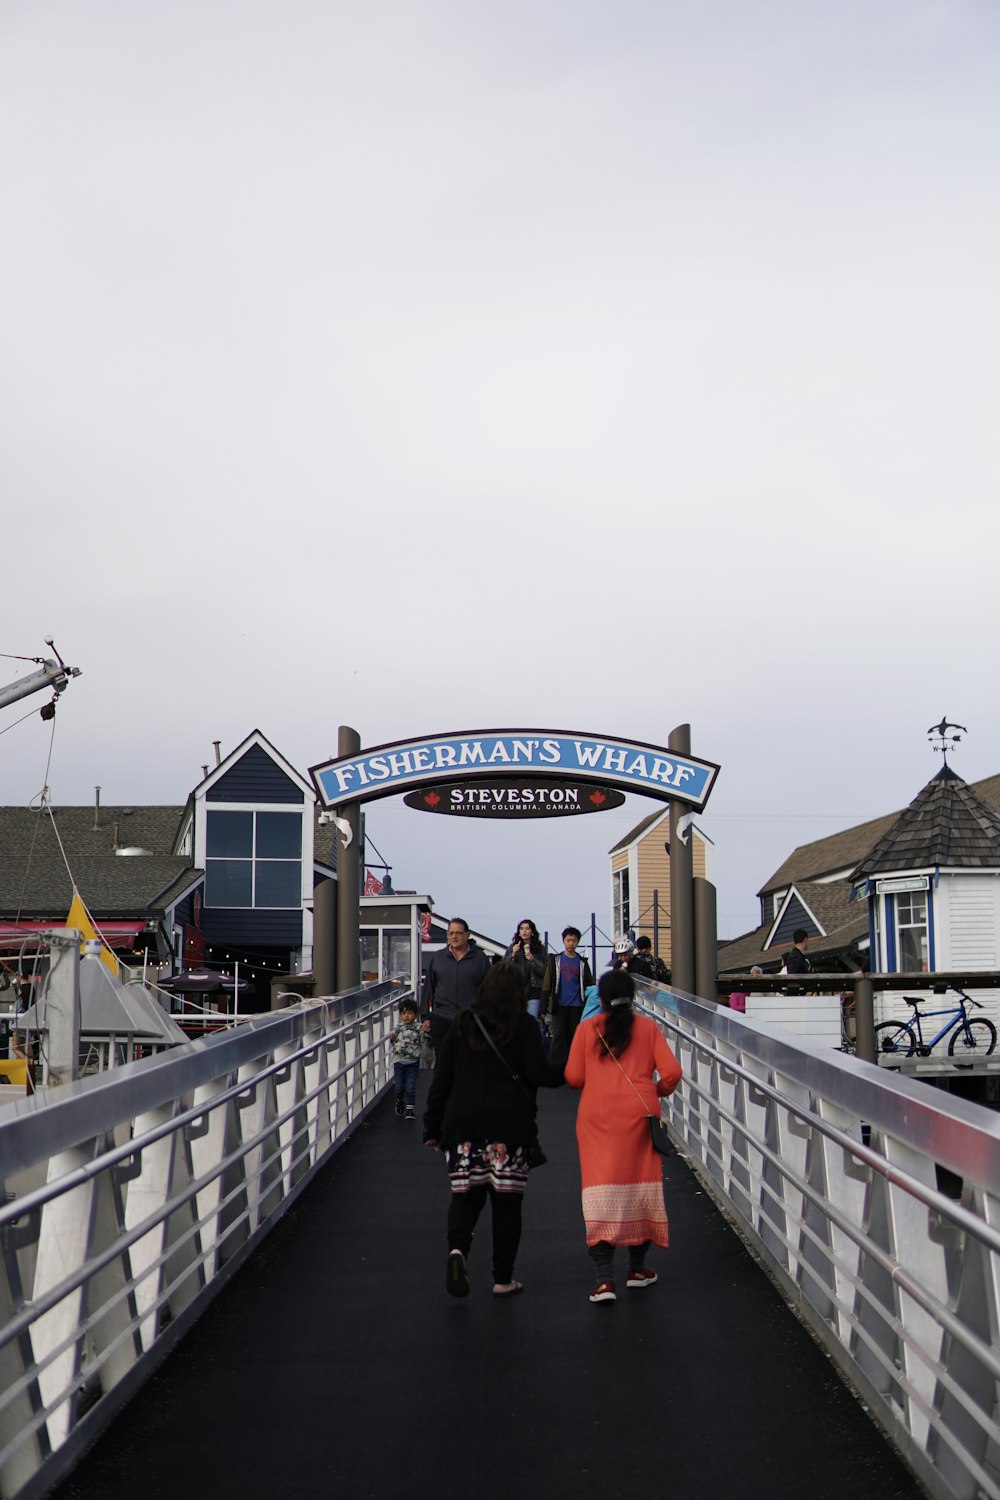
{"x":432,"y":799}
{"x":597,"y":798}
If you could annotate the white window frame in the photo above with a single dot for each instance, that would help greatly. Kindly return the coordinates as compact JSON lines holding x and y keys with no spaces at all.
{"x":302,"y":811}
{"x":910,"y":898}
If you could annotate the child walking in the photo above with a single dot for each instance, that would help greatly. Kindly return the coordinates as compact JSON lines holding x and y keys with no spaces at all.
{"x":407,"y":1041}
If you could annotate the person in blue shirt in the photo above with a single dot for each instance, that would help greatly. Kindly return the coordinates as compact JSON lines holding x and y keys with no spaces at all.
{"x":567,"y":976}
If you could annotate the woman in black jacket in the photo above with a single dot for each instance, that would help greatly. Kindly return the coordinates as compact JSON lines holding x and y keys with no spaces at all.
{"x":481,"y":1111}
{"x":527,"y":951}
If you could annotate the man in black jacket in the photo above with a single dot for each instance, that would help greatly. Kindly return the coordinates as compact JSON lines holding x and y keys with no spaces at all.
{"x":453,"y":978}
{"x":796,"y":962}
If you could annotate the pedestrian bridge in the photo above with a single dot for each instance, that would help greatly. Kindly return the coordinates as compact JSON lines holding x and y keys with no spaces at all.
{"x":825,"y":1218}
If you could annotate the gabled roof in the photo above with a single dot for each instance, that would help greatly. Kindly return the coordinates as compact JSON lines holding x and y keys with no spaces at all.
{"x":946,"y":825}
{"x":847,"y":849}
{"x":844,"y":922}
{"x":217,"y":773}
{"x":647,"y":825}
{"x":639,"y":829}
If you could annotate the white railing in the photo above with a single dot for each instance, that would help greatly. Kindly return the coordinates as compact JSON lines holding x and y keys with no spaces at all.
{"x":874,"y":1201}
{"x":131,"y":1197}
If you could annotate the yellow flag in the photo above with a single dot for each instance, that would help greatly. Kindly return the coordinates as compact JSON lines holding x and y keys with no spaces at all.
{"x":79,"y":919}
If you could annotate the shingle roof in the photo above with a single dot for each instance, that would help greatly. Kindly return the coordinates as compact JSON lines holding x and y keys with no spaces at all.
{"x":845,"y":923}
{"x":846,"y":850}
{"x":946,"y":825}
{"x":35,"y":880}
{"x":35,"y":883}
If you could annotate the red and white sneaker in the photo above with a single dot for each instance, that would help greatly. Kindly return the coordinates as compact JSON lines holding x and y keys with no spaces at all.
{"x":604,"y":1293}
{"x":641,"y":1277}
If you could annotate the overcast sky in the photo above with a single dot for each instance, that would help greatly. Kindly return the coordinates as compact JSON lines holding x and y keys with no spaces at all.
{"x":426,"y":366}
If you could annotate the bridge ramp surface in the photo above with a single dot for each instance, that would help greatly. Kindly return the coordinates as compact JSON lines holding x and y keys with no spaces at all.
{"x":335,"y":1364}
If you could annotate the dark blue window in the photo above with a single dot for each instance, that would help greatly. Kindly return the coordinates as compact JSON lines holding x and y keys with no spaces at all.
{"x":253,"y":859}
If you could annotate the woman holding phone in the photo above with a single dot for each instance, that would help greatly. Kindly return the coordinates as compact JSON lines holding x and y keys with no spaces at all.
{"x":527,"y":952}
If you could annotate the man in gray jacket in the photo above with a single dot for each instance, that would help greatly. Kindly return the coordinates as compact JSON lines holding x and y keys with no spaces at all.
{"x":453,"y":978}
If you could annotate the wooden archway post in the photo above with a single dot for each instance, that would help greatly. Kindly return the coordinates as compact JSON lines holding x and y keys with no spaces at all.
{"x":348,"y":878}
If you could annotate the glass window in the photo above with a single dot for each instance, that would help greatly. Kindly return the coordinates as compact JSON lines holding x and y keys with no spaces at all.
{"x":279,"y":836}
{"x":229,"y":835}
{"x":911,"y":929}
{"x":228,"y":882}
{"x":277,"y":882}
{"x":369,"y":957}
{"x":253,"y":859}
{"x":621,"y":915}
{"x":396,"y":954}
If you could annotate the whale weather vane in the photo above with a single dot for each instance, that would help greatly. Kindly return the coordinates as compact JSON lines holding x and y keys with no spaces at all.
{"x":941,"y":740}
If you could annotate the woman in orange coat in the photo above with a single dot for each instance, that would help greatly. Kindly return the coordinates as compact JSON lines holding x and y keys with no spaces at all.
{"x":612,"y":1060}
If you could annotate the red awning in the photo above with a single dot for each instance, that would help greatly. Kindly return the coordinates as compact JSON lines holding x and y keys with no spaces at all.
{"x":115,"y":934}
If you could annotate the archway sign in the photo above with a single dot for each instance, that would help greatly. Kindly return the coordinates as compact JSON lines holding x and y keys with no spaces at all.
{"x":503,"y":756}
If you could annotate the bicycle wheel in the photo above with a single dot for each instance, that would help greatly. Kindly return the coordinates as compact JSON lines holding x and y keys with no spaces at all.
{"x":895,"y":1037}
{"x":974,"y":1039}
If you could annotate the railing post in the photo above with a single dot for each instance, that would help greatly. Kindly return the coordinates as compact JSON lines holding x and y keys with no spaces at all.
{"x":593,"y":945}
{"x":681,"y":877}
{"x":706,"y":945}
{"x":864,"y":1020}
{"x":63,"y":1006}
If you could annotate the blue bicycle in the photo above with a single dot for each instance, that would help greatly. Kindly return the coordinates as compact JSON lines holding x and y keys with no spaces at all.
{"x":969,"y":1038}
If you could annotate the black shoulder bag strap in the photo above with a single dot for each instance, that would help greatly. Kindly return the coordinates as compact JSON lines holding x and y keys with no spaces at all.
{"x":498,"y":1054}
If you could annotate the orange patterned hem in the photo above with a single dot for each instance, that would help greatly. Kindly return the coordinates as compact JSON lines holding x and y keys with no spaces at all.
{"x":625,"y":1213}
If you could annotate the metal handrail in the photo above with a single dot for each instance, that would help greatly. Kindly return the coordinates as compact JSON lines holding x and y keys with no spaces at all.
{"x":895,"y":1295}
{"x":258,"y":1109}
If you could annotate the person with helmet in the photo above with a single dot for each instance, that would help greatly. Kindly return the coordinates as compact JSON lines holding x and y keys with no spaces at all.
{"x":624,"y":949}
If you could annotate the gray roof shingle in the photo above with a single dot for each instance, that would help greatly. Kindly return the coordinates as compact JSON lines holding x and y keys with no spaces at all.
{"x":945,"y":825}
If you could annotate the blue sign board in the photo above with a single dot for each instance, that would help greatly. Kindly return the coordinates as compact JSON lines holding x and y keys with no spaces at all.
{"x":386,"y":770}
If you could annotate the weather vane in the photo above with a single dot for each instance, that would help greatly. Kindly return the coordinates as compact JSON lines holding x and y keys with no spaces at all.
{"x":942,"y":740}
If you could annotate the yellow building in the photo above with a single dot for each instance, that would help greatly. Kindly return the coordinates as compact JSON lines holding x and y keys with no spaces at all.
{"x":640,"y":880}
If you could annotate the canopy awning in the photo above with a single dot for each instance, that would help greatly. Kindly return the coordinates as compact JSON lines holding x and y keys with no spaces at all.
{"x":115,"y":934}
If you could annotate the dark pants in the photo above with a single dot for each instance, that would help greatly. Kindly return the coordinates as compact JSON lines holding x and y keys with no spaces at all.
{"x":603,"y":1256}
{"x":565,"y":1019}
{"x":404,"y":1080}
{"x":464,"y":1211}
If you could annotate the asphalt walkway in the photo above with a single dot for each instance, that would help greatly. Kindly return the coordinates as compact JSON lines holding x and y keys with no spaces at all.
{"x":336,"y":1365}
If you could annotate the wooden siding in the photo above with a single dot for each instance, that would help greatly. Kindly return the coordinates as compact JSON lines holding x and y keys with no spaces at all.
{"x":972,"y":922}
{"x":252,"y":928}
{"x":654,"y":875}
{"x":255,"y":778}
{"x":184,"y":910}
{"x":795,"y":915}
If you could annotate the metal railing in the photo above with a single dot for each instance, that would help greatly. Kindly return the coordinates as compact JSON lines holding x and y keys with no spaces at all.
{"x":131,"y":1197}
{"x":874,"y":1201}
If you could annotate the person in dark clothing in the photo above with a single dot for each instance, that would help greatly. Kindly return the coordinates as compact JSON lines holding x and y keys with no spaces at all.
{"x":645,"y":962}
{"x":527,"y":951}
{"x":796,"y":962}
{"x":481,"y":1110}
{"x":567,"y":976}
{"x":452,"y":980}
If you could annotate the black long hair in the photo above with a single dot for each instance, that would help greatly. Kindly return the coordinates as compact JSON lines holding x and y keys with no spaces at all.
{"x":616,"y":989}
{"x":535,"y":944}
{"x":500,"y":1004}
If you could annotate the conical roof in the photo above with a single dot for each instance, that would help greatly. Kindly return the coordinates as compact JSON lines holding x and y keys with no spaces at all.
{"x":945,"y":825}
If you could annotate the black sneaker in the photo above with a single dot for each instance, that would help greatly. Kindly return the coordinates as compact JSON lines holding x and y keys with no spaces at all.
{"x":411,"y":1113}
{"x":399,"y":1108}
{"x":457,"y":1279}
